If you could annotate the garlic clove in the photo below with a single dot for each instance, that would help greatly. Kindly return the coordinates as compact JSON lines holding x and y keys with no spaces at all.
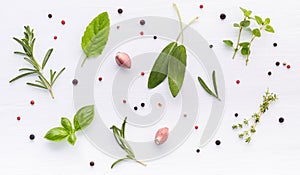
{"x":123,"y":60}
{"x":161,"y":136}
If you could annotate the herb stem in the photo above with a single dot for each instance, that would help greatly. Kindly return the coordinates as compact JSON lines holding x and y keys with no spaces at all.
{"x":84,"y":61}
{"x":180,"y":20}
{"x":236,"y":49}
{"x":189,"y":24}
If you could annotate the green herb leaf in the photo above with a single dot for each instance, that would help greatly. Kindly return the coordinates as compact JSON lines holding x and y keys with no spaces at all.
{"x":245,"y":23}
{"x":236,"y":25}
{"x":206,"y":88}
{"x":72,"y":139}
{"x":244,"y":44}
{"x":84,"y":117}
{"x":66,"y":123}
{"x":245,"y":51}
{"x":247,"y":13}
{"x":267,"y":21}
{"x":269,"y":29}
{"x":159,"y":70}
{"x":215,"y":83}
{"x":259,"y":20}
{"x":256,"y":32}
{"x":22,"y":75}
{"x":56,"y":134}
{"x":228,"y":43}
{"x":176,"y":69}
{"x":46,"y":58}
{"x":96,"y":36}
{"x":118,"y":161}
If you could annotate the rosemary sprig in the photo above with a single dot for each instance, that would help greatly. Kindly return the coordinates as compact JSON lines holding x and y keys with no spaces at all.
{"x":119,"y":135}
{"x":206,"y":88}
{"x":247,"y":134}
{"x":27,"y":44}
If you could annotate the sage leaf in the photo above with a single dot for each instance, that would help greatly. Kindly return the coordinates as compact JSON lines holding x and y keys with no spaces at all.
{"x":228,"y":43}
{"x":72,"y":139}
{"x":96,"y":36}
{"x":258,"y":20}
{"x":256,"y":32}
{"x":269,"y":29}
{"x":56,"y":134}
{"x":176,"y":69}
{"x":159,"y":70}
{"x":66,"y":123}
{"x":83,"y":118}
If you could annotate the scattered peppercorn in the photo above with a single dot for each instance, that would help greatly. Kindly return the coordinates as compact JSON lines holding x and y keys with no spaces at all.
{"x":31,"y":137}
{"x":18,"y":118}
{"x":75,"y":82}
{"x":142,"y":73}
{"x":154,"y":37}
{"x":284,"y":63}
{"x":281,"y":120}
{"x":142,"y":105}
{"x":211,"y":46}
{"x":201,"y":6}
{"x":198,"y":150}
{"x":269,"y":73}
{"x":92,"y":163}
{"x":63,"y":22}
{"x":238,"y":81}
{"x":32,"y":102}
{"x":288,"y":66}
{"x":100,"y":78}
{"x":142,"y":22}
{"x":55,"y":37}
{"x":275,"y":44}
{"x":196,"y":127}
{"x":49,"y":15}
{"x":135,"y":108}
{"x":159,"y":104}
{"x":120,"y":11}
{"x":277,"y":63}
{"x":142,"y":33}
{"x":184,"y":115}
{"x":124,"y":101}
{"x":236,"y":114}
{"x":222,"y":16}
{"x":218,"y":142}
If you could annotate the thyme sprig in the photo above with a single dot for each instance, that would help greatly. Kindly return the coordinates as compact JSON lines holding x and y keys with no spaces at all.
{"x":27,"y":44}
{"x":119,"y":135}
{"x":250,"y":124}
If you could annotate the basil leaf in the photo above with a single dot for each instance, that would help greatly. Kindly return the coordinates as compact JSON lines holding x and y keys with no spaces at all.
{"x":159,"y":70}
{"x":84,"y":117}
{"x":66,"y":123}
{"x":176,"y":69}
{"x":56,"y":134}
{"x":72,"y":139}
{"x":95,"y":36}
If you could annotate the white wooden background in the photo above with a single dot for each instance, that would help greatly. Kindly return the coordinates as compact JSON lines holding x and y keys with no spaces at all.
{"x":274,"y":151}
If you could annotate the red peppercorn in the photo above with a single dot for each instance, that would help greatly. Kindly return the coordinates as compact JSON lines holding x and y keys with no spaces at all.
{"x":63,"y":22}
{"x":142,"y":33}
{"x":55,"y":37}
{"x":32,"y":102}
{"x":238,"y":81}
{"x":18,"y":118}
{"x":142,"y":73}
{"x":100,"y":78}
{"x":196,"y":127}
{"x":288,"y":66}
{"x":201,"y":6}
{"x":124,"y":101}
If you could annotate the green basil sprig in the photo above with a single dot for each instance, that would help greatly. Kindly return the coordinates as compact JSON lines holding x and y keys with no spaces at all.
{"x":82,"y":119}
{"x":171,"y":62}
{"x":206,"y":88}
{"x":96,"y":36}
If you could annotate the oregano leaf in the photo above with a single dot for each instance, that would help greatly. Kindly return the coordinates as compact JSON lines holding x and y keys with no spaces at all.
{"x":228,"y":43}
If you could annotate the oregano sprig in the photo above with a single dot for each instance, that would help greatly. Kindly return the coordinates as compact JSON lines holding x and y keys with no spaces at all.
{"x":82,"y":119}
{"x":119,"y":134}
{"x":27,"y":44}
{"x":249,"y":125}
{"x":244,"y":25}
